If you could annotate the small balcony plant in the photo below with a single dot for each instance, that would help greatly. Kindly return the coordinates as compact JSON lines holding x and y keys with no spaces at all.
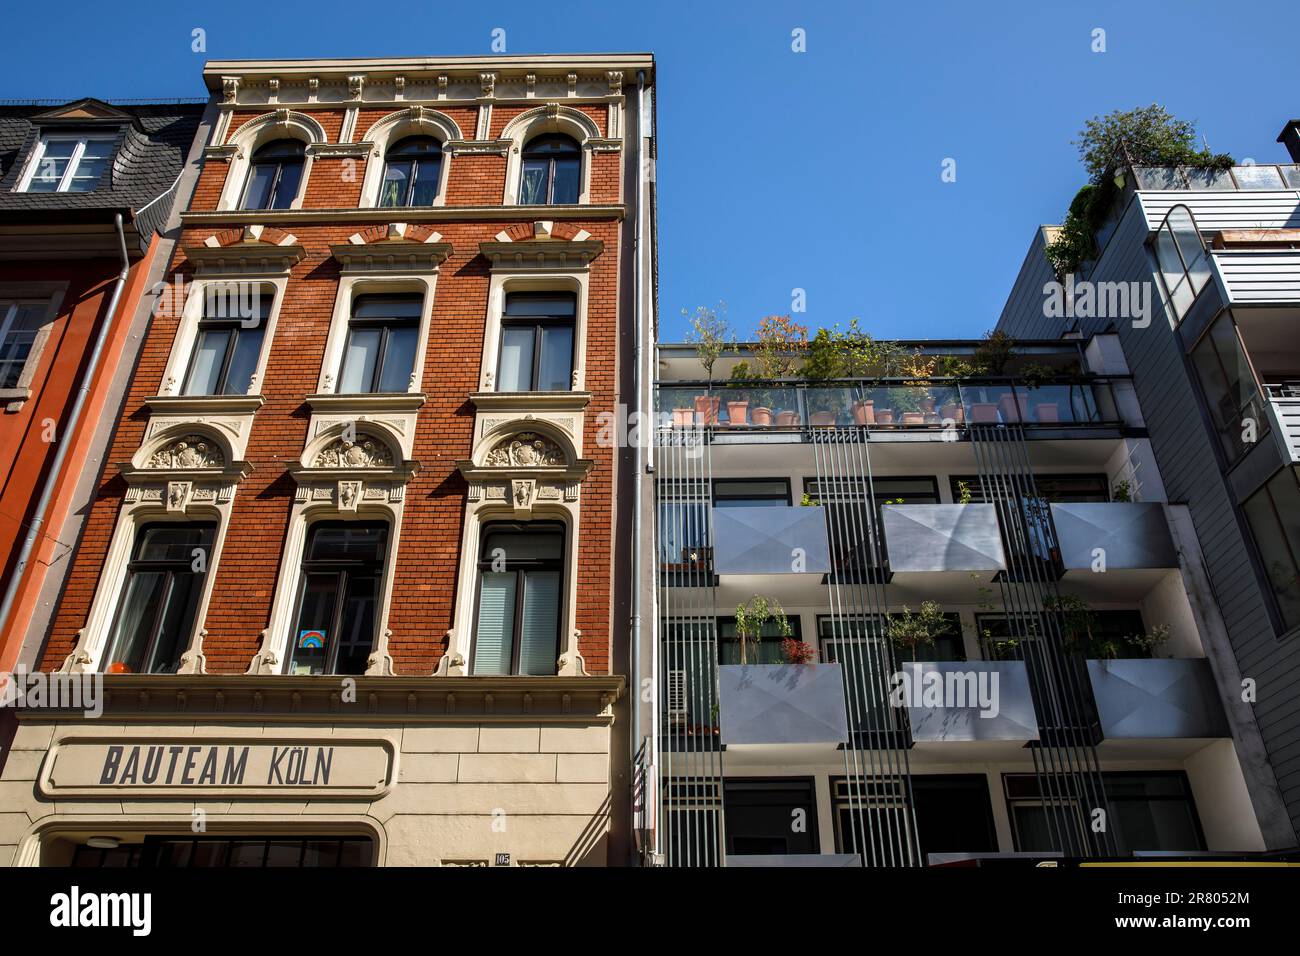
{"x":908,"y":631}
{"x":782,"y":343}
{"x":755,"y":615}
{"x":711,"y":335}
{"x":741,"y":398}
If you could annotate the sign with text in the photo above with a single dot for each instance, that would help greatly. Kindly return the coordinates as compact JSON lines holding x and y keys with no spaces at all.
{"x":241,"y":766}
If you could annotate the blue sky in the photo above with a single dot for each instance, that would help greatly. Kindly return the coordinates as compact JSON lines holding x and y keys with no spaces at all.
{"x":780,"y":170}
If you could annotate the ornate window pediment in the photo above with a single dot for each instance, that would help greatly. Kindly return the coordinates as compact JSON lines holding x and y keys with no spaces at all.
{"x":526,"y":450}
{"x":188,"y":452}
{"x":364,"y":452}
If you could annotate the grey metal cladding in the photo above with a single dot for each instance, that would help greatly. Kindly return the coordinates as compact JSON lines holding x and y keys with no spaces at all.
{"x":1159,"y":698}
{"x":1012,"y":716}
{"x":782,"y":704}
{"x":1132,"y":534}
{"x":770,"y":540}
{"x":943,"y":538}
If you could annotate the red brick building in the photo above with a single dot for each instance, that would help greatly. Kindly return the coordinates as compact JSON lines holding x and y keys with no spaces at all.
{"x":356,"y":489}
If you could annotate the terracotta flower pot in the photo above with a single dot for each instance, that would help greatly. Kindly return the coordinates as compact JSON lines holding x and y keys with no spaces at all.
{"x":864,"y":412}
{"x":737,"y":412}
{"x":952,"y":411}
{"x":706,"y":409}
{"x":1048,"y":412}
{"x":913,"y":418}
{"x":927,"y":406}
{"x":120,"y":667}
{"x":822,"y":419}
{"x":683,"y":417}
{"x":885,"y":416}
{"x":984,"y":413}
{"x":760,"y":416}
{"x":1010,"y":409}
{"x":786,"y":419}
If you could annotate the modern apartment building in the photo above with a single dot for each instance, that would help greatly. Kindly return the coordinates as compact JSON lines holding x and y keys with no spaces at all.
{"x":356,"y":579}
{"x":88,"y":196}
{"x":1215,"y":365}
{"x":937,"y":610}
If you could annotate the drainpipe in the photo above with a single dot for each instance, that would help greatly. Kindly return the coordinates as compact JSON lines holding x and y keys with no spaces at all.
{"x":638,"y":285}
{"x":52,"y":479}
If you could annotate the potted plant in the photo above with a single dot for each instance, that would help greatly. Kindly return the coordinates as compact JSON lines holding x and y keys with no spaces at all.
{"x":909,"y":631}
{"x":1035,"y":375}
{"x":739,"y":398}
{"x":753,"y":616}
{"x":797,"y":652}
{"x":913,"y":399}
{"x":825,"y":362}
{"x":1123,"y":491}
{"x":781,"y":344}
{"x":711,"y":336}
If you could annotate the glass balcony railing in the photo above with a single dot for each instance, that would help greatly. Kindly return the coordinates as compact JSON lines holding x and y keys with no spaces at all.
{"x":1261,"y":176}
{"x":887,"y":406}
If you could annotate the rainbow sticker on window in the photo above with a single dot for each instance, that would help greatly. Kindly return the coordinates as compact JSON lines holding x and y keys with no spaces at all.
{"x":311,"y":640}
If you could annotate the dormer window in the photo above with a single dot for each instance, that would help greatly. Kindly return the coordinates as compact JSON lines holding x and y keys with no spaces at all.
{"x":68,"y":163}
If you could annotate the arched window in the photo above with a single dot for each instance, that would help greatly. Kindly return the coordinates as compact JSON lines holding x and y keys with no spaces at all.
{"x":274,"y":175}
{"x":411,"y":171}
{"x":552,"y":171}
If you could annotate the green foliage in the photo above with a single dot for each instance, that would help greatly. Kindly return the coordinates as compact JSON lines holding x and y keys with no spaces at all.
{"x":710,"y":334}
{"x":827,"y":357}
{"x":909,"y":631}
{"x":1035,"y":374}
{"x":963,"y":492}
{"x":781,"y":344}
{"x":993,"y":353}
{"x":1123,"y":491}
{"x":754,"y":615}
{"x":1144,"y":136}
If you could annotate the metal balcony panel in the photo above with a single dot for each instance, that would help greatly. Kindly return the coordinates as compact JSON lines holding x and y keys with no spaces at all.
{"x":1008,"y":684}
{"x":1162,"y":697}
{"x":770,"y":540}
{"x":1133,"y":534}
{"x":782,"y":704}
{"x":943,"y":538}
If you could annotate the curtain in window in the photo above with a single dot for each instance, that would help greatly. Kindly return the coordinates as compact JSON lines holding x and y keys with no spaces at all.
{"x":494,"y":638}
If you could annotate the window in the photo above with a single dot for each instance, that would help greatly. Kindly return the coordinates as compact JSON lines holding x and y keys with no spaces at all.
{"x":338,"y":599}
{"x":1060,"y":488}
{"x":537,"y":342}
{"x":228,"y":345}
{"x":1148,"y":811}
{"x":946,"y":647}
{"x":517,"y":628}
{"x":1228,"y":384}
{"x":1094,"y":634}
{"x":411,"y":171}
{"x":552,"y":171}
{"x":751,"y":493}
{"x":19,"y":323}
{"x":849,"y":522}
{"x":953,"y":812}
{"x":767,"y":650}
{"x":380,"y":351}
{"x":69,"y":164}
{"x":1273,"y":513}
{"x":203,"y":852}
{"x":274,"y":175}
{"x":161,"y":596}
{"x":759,"y":814}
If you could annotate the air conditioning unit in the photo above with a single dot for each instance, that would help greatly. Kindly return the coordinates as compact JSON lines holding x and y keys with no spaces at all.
{"x":676,"y":704}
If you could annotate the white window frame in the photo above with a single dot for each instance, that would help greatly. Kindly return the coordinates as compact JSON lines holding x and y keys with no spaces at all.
{"x":74,"y":161}
{"x":48,"y":294}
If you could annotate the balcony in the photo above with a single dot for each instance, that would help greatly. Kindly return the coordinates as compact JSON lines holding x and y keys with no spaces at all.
{"x":1284,"y":405}
{"x":1132,"y":534}
{"x":1156,"y":698}
{"x":782,"y":704}
{"x":1265,"y":195}
{"x":770,"y":540}
{"x":969,"y":700}
{"x":940,"y":537}
{"x":788,"y":410}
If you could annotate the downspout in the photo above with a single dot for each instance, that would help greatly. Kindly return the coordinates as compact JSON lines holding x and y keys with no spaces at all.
{"x":70,"y":429}
{"x":638,"y":286}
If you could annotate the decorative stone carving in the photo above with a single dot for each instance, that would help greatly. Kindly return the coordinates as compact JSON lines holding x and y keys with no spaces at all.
{"x":178,"y":495}
{"x":191,"y":451}
{"x":349,"y":495}
{"x":362,"y":453}
{"x":525,"y":450}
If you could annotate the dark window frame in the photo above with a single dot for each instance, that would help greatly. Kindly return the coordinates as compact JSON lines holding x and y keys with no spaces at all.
{"x":1103,"y":485}
{"x":956,"y":635}
{"x":532,"y":153}
{"x":774,"y":784}
{"x":796,"y":631}
{"x":413,"y":161}
{"x":386,"y":325}
{"x":714,"y":497}
{"x":280,"y":163}
{"x":170,"y":568}
{"x":521,"y":567}
{"x":149,"y":854}
{"x":538,"y":322}
{"x":344,"y":568}
{"x":1206,"y":339}
{"x":1282,"y":626}
{"x":235,"y":325}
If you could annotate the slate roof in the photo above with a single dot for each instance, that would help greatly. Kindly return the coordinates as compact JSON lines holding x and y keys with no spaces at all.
{"x":153,"y":141}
